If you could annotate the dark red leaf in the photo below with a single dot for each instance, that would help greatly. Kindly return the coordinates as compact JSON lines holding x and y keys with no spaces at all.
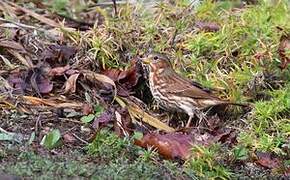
{"x":207,"y":26}
{"x":171,"y":146}
{"x":58,"y":71}
{"x":58,"y":52}
{"x":266,"y":160}
{"x":17,"y":82}
{"x":87,"y":109}
{"x":284,"y":50}
{"x":30,"y":80}
{"x":104,"y":118}
{"x":124,"y":79}
{"x":69,"y":138}
{"x":44,"y":85}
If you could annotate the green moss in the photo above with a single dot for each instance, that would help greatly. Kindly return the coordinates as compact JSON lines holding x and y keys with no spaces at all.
{"x":204,"y":163}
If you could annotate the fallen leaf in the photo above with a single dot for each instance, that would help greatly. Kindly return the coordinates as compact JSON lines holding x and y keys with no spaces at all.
{"x":51,"y":102}
{"x":16,"y":81}
{"x":66,"y":52}
{"x":284,"y":51}
{"x":30,"y":80}
{"x":268,"y":161}
{"x":125,"y":80}
{"x":69,"y":138}
{"x":87,"y":109}
{"x":93,"y":77}
{"x":70,"y":84}
{"x":52,"y":139}
{"x":44,"y":85}
{"x":136,"y":112}
{"x":207,"y":26}
{"x":35,"y":15}
{"x":88,"y":118}
{"x":58,"y":53}
{"x":171,"y":145}
{"x":11,"y":45}
{"x":24,"y":60}
{"x":58,"y":71}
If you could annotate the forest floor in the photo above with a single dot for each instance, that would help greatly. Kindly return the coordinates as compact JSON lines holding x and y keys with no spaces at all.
{"x":75,"y":102}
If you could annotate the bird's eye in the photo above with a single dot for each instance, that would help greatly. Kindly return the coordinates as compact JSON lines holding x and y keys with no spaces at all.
{"x":155,"y":57}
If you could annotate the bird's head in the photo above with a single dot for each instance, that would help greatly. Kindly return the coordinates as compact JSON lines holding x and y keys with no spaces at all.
{"x":157,"y":62}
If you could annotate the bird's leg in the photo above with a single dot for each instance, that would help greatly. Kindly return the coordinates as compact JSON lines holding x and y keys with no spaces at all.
{"x":201,"y":116}
{"x":189,"y":121}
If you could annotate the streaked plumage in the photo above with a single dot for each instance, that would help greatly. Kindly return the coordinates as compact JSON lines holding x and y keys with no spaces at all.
{"x":174,"y":92}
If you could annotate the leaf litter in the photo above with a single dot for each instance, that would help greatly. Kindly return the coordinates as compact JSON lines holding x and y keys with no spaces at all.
{"x":56,"y":73}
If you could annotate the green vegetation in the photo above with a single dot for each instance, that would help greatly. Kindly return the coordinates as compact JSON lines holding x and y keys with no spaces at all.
{"x":108,"y":156}
{"x":205,"y":163}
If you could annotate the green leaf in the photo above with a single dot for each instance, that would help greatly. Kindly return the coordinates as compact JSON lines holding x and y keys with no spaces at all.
{"x":13,"y":137}
{"x":98,"y":110}
{"x":241,"y":153}
{"x":6,"y":137}
{"x":138,"y":135}
{"x":32,"y":138}
{"x":51,"y":140}
{"x":88,"y":118}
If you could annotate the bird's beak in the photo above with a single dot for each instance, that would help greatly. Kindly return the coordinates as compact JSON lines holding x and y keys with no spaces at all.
{"x":146,"y":61}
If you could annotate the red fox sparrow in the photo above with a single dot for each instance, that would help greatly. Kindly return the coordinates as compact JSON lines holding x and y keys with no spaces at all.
{"x":176,"y":93}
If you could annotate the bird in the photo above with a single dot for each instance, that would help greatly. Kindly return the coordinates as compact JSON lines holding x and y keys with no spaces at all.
{"x":176,"y":93}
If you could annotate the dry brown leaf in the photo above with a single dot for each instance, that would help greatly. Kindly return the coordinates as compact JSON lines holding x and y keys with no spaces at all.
{"x":284,"y":49}
{"x":51,"y":102}
{"x":136,"y":112}
{"x":58,"y":71}
{"x":35,"y":15}
{"x":23,"y":60}
{"x":207,"y":26}
{"x":92,"y":76}
{"x":171,"y":146}
{"x":265,"y":159}
{"x":125,"y":80}
{"x":11,"y":45}
{"x":69,"y":138}
{"x":70,"y":84}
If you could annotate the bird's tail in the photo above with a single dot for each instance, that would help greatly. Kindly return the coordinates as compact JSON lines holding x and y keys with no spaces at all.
{"x":237,"y":104}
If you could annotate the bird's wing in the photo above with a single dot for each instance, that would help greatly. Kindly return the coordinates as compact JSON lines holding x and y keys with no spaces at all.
{"x":208,"y":90}
{"x":185,"y":87}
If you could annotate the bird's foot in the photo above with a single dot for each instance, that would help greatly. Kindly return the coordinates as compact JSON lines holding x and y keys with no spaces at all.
{"x":201,"y":116}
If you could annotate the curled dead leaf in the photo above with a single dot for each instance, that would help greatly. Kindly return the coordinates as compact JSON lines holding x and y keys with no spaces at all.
{"x":207,"y":26}
{"x":44,"y":85}
{"x":35,"y":101}
{"x":11,"y":45}
{"x":125,"y":80}
{"x":70,"y":84}
{"x":137,"y":113}
{"x":30,"y":80}
{"x":268,"y":161}
{"x":93,"y":77}
{"x":284,"y":51}
{"x":69,"y":138}
{"x":58,"y":53}
{"x":171,"y":146}
{"x":58,"y":71}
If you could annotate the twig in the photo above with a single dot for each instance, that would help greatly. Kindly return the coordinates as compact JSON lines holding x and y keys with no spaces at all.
{"x":39,"y":17}
{"x":80,"y":139}
{"x":4,"y":131}
{"x":70,"y":120}
{"x":21,"y":25}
